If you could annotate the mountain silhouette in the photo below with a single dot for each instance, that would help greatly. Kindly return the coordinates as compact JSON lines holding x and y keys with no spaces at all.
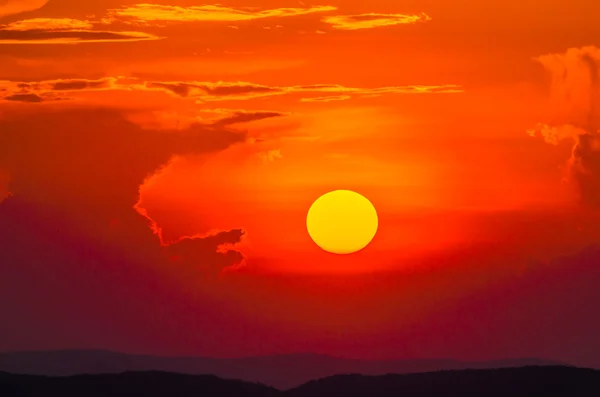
{"x":127,"y":384}
{"x":280,"y":371}
{"x":555,"y":381}
{"x":504,"y":382}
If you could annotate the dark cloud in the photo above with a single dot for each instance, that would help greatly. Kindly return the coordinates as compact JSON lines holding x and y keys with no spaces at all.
{"x":86,"y":166}
{"x":191,"y":251}
{"x":80,"y":84}
{"x":24,"y":98}
{"x":584,"y":168}
{"x":50,"y":90}
{"x":246,"y":117}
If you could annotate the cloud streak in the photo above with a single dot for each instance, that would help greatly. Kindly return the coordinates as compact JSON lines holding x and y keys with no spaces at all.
{"x":60,"y":24}
{"x":373,"y":20}
{"x":329,"y":98}
{"x":64,"y":31}
{"x":203,"y":92}
{"x":148,"y":13}
{"x":219,"y":91}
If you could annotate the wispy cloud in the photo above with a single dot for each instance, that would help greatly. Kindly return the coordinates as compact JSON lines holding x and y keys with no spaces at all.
{"x":63,"y":31}
{"x":218,"y":91}
{"x":373,"y":20}
{"x":270,"y":156}
{"x":179,"y":119}
{"x":203,"y":92}
{"x":49,"y":24}
{"x":211,"y":90}
{"x":329,"y":98}
{"x":145,"y":13}
{"x":226,"y":117}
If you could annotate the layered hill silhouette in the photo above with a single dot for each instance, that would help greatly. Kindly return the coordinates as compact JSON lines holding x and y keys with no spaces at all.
{"x":282,"y":371}
{"x":514,"y":382}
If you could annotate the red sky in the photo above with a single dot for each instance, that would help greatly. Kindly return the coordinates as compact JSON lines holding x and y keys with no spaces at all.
{"x":157,"y":162}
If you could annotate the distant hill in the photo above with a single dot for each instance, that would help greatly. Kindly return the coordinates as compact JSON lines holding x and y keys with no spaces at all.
{"x":506,"y":382}
{"x":128,"y":384}
{"x":282,"y":372}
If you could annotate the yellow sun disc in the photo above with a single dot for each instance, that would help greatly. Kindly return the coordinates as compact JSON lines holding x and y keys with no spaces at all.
{"x":342,"y":222}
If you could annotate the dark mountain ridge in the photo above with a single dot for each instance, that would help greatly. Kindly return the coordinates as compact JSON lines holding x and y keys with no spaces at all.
{"x":279,"y":371}
{"x":502,"y":382}
{"x":151,"y":383}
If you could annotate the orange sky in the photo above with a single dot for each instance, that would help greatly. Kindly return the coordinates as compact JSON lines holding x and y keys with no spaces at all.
{"x":456,"y":119}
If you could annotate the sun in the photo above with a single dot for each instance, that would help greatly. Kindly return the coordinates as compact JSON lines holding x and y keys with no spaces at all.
{"x":342,"y":222}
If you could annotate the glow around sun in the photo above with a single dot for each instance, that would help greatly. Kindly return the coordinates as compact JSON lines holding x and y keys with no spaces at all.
{"x":342,"y":222}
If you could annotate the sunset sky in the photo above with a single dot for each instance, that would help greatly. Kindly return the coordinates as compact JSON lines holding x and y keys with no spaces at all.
{"x":157,"y":162}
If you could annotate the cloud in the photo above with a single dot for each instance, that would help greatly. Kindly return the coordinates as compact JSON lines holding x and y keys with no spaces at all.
{"x":51,"y":90}
{"x":178,"y":119}
{"x":229,"y":117}
{"x":11,"y":7}
{"x":34,"y":98}
{"x":243,"y":90}
{"x":270,"y":155}
{"x":554,"y":134}
{"x":49,"y":24}
{"x":575,"y":114}
{"x":145,"y":13}
{"x":63,"y":31}
{"x":81,"y":84}
{"x":203,"y":92}
{"x":193,"y":251}
{"x":83,"y":168}
{"x":232,"y":90}
{"x":373,"y":20}
{"x":326,"y":98}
